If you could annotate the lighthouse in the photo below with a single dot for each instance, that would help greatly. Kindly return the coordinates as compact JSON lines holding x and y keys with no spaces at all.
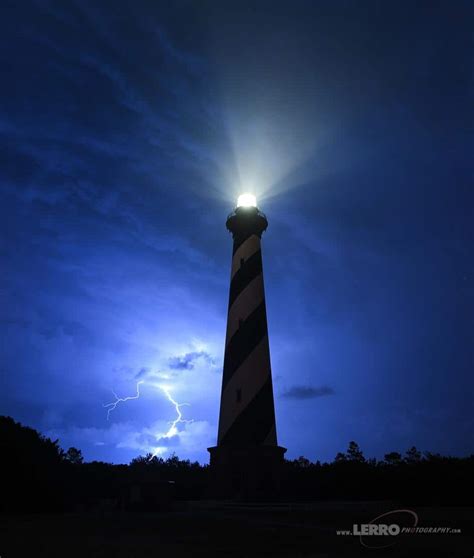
{"x":246,"y":462}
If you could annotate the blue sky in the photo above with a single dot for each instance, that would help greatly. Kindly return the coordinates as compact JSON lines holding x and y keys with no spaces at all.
{"x":127,"y":130}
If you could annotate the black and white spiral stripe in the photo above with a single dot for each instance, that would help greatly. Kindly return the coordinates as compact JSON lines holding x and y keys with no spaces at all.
{"x":247,"y":415}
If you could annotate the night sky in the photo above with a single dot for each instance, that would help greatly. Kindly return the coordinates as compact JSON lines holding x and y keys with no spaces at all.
{"x":127,"y":131}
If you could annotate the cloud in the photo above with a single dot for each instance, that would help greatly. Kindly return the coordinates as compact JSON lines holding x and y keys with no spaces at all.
{"x":143,"y":373}
{"x":146,"y":374}
{"x":187,"y":361}
{"x":307,"y":392}
{"x":167,"y":441}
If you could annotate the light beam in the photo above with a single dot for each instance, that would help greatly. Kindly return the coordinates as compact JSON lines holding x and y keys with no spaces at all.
{"x":246,"y":200}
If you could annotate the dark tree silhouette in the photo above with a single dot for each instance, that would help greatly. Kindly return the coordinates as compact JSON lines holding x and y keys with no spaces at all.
{"x":31,"y":476}
{"x":38,"y":476}
{"x":303,"y":462}
{"x":393,"y":458}
{"x":354,"y":453}
{"x":413,"y":455}
{"x":74,"y":456}
{"x":340,"y":456}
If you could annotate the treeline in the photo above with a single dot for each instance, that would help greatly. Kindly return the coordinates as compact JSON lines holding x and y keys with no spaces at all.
{"x":39,"y":476}
{"x":410,"y":479}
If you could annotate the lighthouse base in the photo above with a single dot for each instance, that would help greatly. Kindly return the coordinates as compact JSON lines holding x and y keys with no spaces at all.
{"x":249,"y":473}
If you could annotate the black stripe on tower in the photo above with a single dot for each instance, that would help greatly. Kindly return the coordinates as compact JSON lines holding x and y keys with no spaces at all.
{"x":255,"y":422}
{"x":250,"y":268}
{"x":238,"y":241}
{"x":244,"y":341}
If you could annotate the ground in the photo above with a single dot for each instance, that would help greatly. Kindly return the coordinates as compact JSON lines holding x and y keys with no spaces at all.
{"x":195,"y":529}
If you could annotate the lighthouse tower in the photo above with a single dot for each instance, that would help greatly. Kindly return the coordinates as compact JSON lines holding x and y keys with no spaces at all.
{"x":247,"y":460}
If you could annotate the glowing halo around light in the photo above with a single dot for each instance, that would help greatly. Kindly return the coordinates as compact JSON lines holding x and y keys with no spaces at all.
{"x":246,"y":200}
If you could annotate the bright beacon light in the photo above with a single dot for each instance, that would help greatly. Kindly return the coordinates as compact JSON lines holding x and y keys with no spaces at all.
{"x":247,"y":200}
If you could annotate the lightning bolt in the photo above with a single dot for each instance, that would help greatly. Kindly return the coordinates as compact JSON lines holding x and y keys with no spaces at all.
{"x":113,"y":405}
{"x":173,"y":429}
